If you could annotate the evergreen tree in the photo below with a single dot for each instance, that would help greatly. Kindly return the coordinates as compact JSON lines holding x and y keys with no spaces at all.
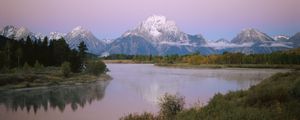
{"x":82,"y":53}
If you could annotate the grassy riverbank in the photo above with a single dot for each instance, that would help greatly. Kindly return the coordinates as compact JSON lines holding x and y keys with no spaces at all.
{"x":185,"y":65}
{"x":275,"y":98}
{"x":120,"y":61}
{"x":48,"y":76}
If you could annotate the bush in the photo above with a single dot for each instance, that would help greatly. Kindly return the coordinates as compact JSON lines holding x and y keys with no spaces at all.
{"x":66,"y":68}
{"x":38,"y":66}
{"x":26,"y":68}
{"x":170,"y":105}
{"x":144,"y":116}
{"x":96,"y":67}
{"x":296,"y":89}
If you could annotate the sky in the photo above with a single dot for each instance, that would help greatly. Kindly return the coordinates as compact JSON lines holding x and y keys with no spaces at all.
{"x":214,"y":19}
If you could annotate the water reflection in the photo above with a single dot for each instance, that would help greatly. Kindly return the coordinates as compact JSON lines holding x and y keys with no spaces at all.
{"x":53,"y":97}
{"x":151,"y":82}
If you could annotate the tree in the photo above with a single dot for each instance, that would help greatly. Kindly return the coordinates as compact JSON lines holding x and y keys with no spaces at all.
{"x":19,"y":54}
{"x":170,"y":105}
{"x":66,"y":68}
{"x":96,"y":67}
{"x":82,"y":53}
{"x":75,"y":61}
{"x":8,"y":54}
{"x":38,"y":66}
{"x":60,"y":51}
{"x":82,"y":49}
{"x":26,"y":68}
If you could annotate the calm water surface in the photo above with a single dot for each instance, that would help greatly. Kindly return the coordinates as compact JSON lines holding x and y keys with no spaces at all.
{"x":134,"y":88}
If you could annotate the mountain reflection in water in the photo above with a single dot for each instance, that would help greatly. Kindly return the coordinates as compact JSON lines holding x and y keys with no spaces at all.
{"x":53,"y":97}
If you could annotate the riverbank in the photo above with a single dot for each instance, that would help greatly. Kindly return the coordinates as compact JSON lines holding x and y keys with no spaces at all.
{"x":126,"y":62}
{"x":49,"y":76}
{"x":185,"y":65}
{"x":277,"y":97}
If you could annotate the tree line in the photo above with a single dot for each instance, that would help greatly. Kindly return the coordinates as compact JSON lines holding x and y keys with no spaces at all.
{"x":281,"y":57}
{"x":17,"y":53}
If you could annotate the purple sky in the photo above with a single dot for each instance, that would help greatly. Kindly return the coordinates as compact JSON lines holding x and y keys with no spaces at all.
{"x":110,"y":18}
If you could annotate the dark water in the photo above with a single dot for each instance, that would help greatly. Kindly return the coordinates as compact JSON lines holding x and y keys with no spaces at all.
{"x":134,"y":88}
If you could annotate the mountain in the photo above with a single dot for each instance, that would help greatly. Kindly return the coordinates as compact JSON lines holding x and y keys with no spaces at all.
{"x":249,"y":41}
{"x":222,"y":40}
{"x":79,"y":34}
{"x":295,"y":40}
{"x":251,"y":35}
{"x":18,"y":33}
{"x":56,"y":35}
{"x":159,"y":30}
{"x":132,"y":45}
{"x":159,"y":35}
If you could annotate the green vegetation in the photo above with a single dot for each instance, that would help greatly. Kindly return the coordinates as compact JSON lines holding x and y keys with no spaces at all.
{"x":37,"y":53}
{"x":276,"y":98}
{"x":45,"y":63}
{"x":170,"y":106}
{"x":96,"y":67}
{"x":66,"y":68}
{"x":186,"y":65}
{"x":48,"y":76}
{"x":282,"y":59}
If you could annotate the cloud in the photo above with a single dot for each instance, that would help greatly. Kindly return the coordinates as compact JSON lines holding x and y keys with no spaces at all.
{"x":277,"y":44}
{"x":223,"y":45}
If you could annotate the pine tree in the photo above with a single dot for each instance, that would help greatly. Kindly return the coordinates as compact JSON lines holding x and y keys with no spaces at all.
{"x":82,"y":53}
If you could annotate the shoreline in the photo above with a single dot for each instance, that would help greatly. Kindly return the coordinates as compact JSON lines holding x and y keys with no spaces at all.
{"x":33,"y":80}
{"x":125,"y":62}
{"x":220,"y":66}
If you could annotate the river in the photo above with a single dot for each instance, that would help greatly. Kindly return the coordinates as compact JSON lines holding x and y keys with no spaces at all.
{"x":135,"y":88}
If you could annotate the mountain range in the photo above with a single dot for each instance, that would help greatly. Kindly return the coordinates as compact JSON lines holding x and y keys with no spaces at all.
{"x":158,"y":35}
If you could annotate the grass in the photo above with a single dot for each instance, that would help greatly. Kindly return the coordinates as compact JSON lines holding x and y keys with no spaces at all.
{"x":119,"y":61}
{"x":48,"y":76}
{"x":275,"y":98}
{"x":127,"y":62}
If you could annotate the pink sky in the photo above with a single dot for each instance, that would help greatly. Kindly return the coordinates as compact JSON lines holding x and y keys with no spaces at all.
{"x":110,"y":18}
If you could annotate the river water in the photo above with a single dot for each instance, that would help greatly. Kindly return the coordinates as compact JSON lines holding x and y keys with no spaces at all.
{"x":135,"y":88}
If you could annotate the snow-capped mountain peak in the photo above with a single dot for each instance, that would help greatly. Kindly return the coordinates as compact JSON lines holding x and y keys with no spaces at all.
{"x":17,"y":33}
{"x":155,"y":25}
{"x":79,"y":34}
{"x":79,"y":30}
{"x":251,"y":35}
{"x":56,"y":35}
{"x":158,"y":29}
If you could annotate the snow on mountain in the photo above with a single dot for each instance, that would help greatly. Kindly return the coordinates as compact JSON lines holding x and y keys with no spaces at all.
{"x":160,"y":30}
{"x":251,"y":35}
{"x":163,"y":35}
{"x":159,"y":36}
{"x":16,"y":32}
{"x":39,"y":36}
{"x":56,"y":35}
{"x":79,"y":34}
{"x":281,"y":38}
{"x":107,"y":41}
{"x":222,"y":40}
